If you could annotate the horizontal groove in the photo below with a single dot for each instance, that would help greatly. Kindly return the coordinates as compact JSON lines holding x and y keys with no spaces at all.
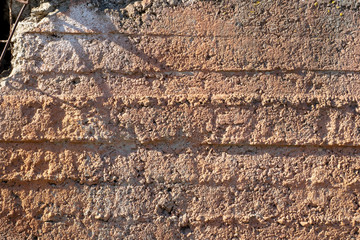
{"x":129,"y":34}
{"x":283,"y":145}
{"x":205,"y":99}
{"x":10,"y":183}
{"x":67,"y":141}
{"x":160,"y":35}
{"x":190,"y":72}
{"x":170,"y":142}
{"x":190,"y":184}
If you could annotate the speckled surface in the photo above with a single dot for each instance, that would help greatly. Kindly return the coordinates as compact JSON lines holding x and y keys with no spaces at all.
{"x":182,"y":120}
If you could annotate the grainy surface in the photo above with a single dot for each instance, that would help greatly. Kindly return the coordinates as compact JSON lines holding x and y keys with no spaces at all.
{"x":182,"y":120}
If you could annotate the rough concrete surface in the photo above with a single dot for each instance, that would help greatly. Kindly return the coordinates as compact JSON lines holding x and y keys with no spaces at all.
{"x":178,"y":119}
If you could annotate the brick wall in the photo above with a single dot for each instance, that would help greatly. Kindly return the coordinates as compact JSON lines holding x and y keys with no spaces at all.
{"x":182,"y":120}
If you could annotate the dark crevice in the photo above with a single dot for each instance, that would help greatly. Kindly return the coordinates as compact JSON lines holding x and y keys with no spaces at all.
{"x":4,"y":20}
{"x":185,"y":230}
{"x":5,"y":65}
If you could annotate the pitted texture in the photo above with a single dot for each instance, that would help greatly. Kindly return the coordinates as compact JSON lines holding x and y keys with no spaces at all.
{"x":182,"y":120}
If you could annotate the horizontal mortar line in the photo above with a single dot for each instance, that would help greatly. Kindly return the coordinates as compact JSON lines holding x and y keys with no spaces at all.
{"x":242,"y":101}
{"x":190,"y":184}
{"x":251,"y":99}
{"x":309,"y":97}
{"x":131,"y":34}
{"x":63,"y":182}
{"x":280,"y":145}
{"x":165,"y":35}
{"x":235,"y":220}
{"x":52,"y":33}
{"x":66,"y":141}
{"x":196,"y":71}
{"x":172,"y":141}
{"x":273,"y":71}
{"x":239,"y":219}
{"x":107,"y":183}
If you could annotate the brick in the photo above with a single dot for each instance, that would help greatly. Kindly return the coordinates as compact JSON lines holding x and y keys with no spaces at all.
{"x":124,"y":54}
{"x":225,"y":119}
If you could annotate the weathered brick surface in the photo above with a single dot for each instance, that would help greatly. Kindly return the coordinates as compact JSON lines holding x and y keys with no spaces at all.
{"x":108,"y":188}
{"x":182,"y":120}
{"x":125,"y":54}
{"x":199,"y":119}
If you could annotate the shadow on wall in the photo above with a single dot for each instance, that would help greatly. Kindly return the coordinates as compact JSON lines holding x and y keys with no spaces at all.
{"x":91,"y":21}
{"x":37,"y":10}
{"x":83,"y":18}
{"x":77,"y":17}
{"x":93,"y":16}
